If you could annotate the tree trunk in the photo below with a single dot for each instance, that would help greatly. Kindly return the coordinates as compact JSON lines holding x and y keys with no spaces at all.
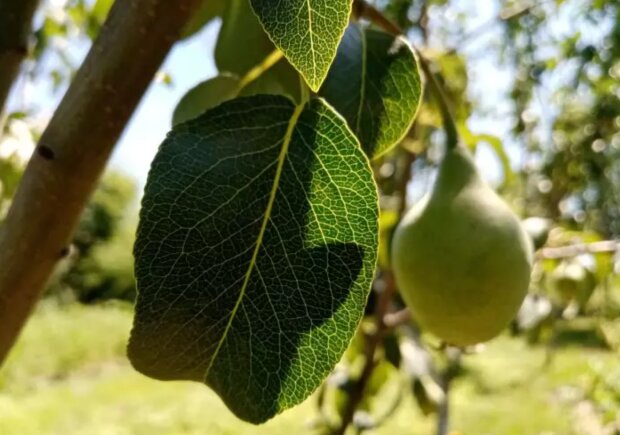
{"x":75,"y":147}
{"x":15,"y":23}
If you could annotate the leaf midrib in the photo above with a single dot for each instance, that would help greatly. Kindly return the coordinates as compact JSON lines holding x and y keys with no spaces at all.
{"x":272,"y":196}
{"x":311,"y":33}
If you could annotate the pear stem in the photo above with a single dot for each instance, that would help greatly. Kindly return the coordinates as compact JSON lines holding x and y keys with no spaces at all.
{"x":452,"y":136}
{"x":361,"y":9}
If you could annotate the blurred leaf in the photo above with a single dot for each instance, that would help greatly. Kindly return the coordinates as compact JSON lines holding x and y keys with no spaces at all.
{"x":382,"y":395}
{"x":381,"y":375}
{"x":307,"y":31}
{"x":108,"y":273}
{"x":426,"y":403}
{"x":10,"y":174}
{"x":214,"y":91}
{"x":604,"y":265}
{"x":453,"y":68}
{"x":255,"y":252}
{"x":534,"y":310}
{"x":572,"y":281}
{"x":101,"y":8}
{"x":387,"y":224}
{"x":205,"y":96}
{"x":392,"y":350}
{"x":102,"y":265}
{"x":354,"y":355}
{"x":375,"y":84}
{"x":243,"y":45}
{"x":611,"y":332}
{"x":473,"y":140}
{"x":538,"y":229}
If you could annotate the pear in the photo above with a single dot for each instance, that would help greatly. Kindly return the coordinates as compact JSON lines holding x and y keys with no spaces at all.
{"x":461,"y":258}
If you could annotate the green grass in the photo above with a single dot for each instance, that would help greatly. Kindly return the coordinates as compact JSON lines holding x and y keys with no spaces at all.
{"x":68,"y":375}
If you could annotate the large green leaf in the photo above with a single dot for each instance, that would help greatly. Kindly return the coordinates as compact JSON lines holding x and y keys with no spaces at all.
{"x":255,"y":252}
{"x":307,"y":31}
{"x":375,"y":84}
{"x":204,"y":96}
{"x":243,"y":44}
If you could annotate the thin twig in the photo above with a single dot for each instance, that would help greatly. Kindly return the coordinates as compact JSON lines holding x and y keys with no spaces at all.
{"x":399,"y":318}
{"x":373,"y":342}
{"x":447,"y":376}
{"x":361,"y":9}
{"x":578,"y":249}
{"x":505,"y":15}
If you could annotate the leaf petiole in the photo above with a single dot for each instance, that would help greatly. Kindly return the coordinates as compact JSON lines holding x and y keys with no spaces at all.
{"x":253,"y":74}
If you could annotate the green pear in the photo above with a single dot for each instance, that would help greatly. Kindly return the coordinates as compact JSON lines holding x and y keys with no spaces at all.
{"x":461,"y":259}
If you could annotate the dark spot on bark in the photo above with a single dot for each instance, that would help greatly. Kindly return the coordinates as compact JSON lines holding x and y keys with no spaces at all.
{"x":45,"y":152}
{"x":64,"y":252}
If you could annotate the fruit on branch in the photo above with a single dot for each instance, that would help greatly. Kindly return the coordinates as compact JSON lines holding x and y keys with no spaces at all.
{"x":572,"y":281}
{"x":461,"y":258}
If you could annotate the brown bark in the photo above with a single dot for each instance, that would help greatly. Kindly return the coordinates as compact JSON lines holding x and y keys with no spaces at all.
{"x":15,"y":22}
{"x":75,"y":147}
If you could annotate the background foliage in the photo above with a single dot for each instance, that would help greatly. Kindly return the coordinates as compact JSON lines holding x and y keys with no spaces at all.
{"x":548,"y":134}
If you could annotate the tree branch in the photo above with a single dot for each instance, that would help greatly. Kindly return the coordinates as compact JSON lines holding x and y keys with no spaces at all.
{"x":453,"y":361}
{"x":505,"y":15}
{"x":578,"y":249}
{"x":15,"y":25}
{"x":75,"y":147}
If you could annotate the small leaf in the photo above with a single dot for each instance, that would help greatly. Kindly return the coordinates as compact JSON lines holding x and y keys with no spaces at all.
{"x":307,"y":31}
{"x":243,"y":44}
{"x":204,"y":96}
{"x":216,"y":90}
{"x":255,"y":252}
{"x":375,"y":84}
{"x":100,"y":10}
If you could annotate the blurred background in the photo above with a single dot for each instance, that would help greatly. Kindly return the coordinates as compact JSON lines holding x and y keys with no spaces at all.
{"x":535,"y":87}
